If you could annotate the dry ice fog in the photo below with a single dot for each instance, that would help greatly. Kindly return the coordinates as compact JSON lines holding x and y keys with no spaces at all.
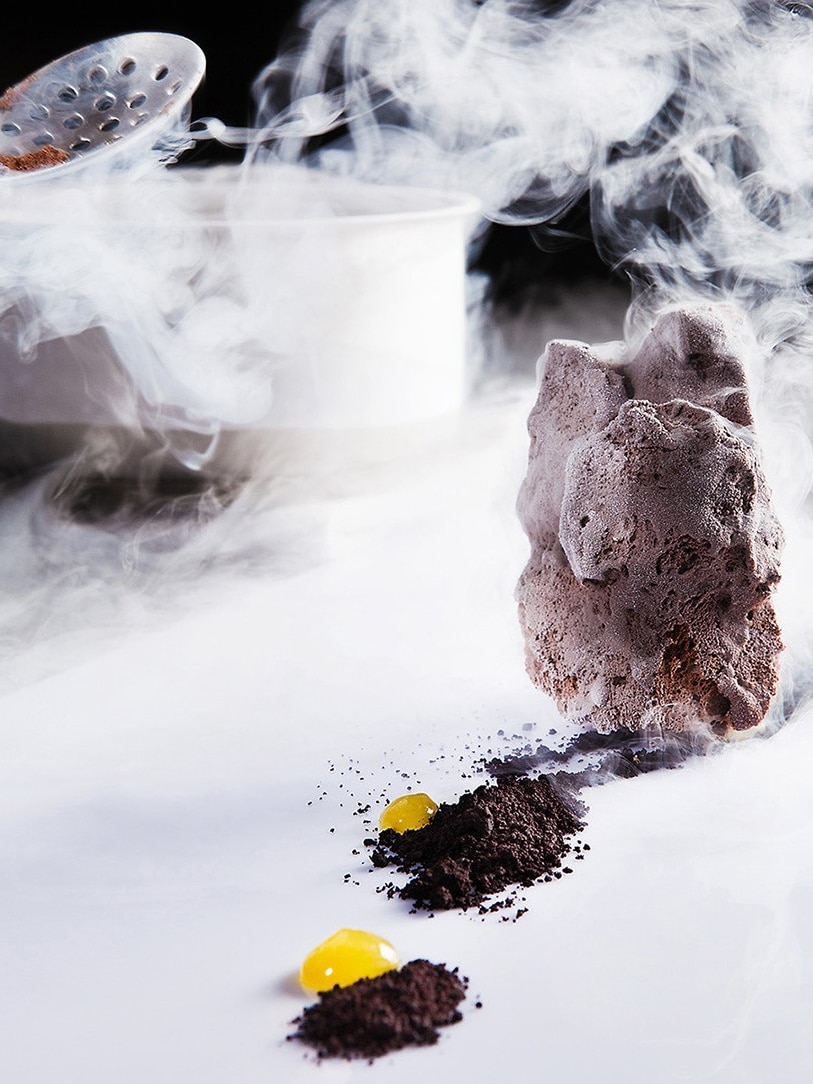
{"x":685,"y":125}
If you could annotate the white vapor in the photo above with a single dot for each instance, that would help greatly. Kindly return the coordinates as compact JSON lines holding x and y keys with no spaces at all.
{"x":686,"y":123}
{"x":187,"y":655}
{"x":685,"y":126}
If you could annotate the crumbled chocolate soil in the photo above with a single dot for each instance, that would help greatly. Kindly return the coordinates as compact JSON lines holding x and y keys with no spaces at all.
{"x":377,"y":1016}
{"x":515,"y":831}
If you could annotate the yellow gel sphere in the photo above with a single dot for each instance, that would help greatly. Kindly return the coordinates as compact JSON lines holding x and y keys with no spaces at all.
{"x":346,"y":957}
{"x":408,"y":812}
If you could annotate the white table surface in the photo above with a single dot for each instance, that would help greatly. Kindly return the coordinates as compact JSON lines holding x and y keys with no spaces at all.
{"x":188,"y":731}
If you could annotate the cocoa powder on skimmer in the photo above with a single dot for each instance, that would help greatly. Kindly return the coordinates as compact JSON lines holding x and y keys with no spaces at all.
{"x":45,"y":156}
{"x":513,"y":832}
{"x":377,"y":1016}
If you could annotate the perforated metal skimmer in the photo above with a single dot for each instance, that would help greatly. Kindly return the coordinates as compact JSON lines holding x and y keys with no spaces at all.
{"x":124,"y":95}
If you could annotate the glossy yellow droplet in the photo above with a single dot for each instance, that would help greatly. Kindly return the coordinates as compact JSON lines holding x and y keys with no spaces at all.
{"x":408,"y":812}
{"x":344,"y":958}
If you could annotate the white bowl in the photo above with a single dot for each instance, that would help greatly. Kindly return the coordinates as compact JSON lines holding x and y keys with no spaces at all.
{"x":227,"y":299}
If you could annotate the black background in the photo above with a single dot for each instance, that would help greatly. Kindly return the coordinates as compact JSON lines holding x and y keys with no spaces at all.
{"x":238,"y":40}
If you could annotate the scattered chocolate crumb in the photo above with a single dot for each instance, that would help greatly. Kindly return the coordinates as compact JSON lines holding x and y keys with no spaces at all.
{"x":46,"y":156}
{"x":515,"y":831}
{"x":377,"y":1016}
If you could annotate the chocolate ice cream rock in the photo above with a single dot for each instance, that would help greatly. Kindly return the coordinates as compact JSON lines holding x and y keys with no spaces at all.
{"x":646,"y":600}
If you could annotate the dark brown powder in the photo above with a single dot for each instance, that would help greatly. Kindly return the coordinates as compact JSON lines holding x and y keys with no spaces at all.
{"x":9,"y":97}
{"x":39,"y":159}
{"x":377,"y":1016}
{"x":12,"y":95}
{"x":515,"y":831}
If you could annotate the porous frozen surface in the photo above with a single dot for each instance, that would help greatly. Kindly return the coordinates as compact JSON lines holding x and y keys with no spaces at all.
{"x":646,"y":600}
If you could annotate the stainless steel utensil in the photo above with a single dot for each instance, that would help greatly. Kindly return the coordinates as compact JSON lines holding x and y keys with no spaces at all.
{"x":119,"y":98}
